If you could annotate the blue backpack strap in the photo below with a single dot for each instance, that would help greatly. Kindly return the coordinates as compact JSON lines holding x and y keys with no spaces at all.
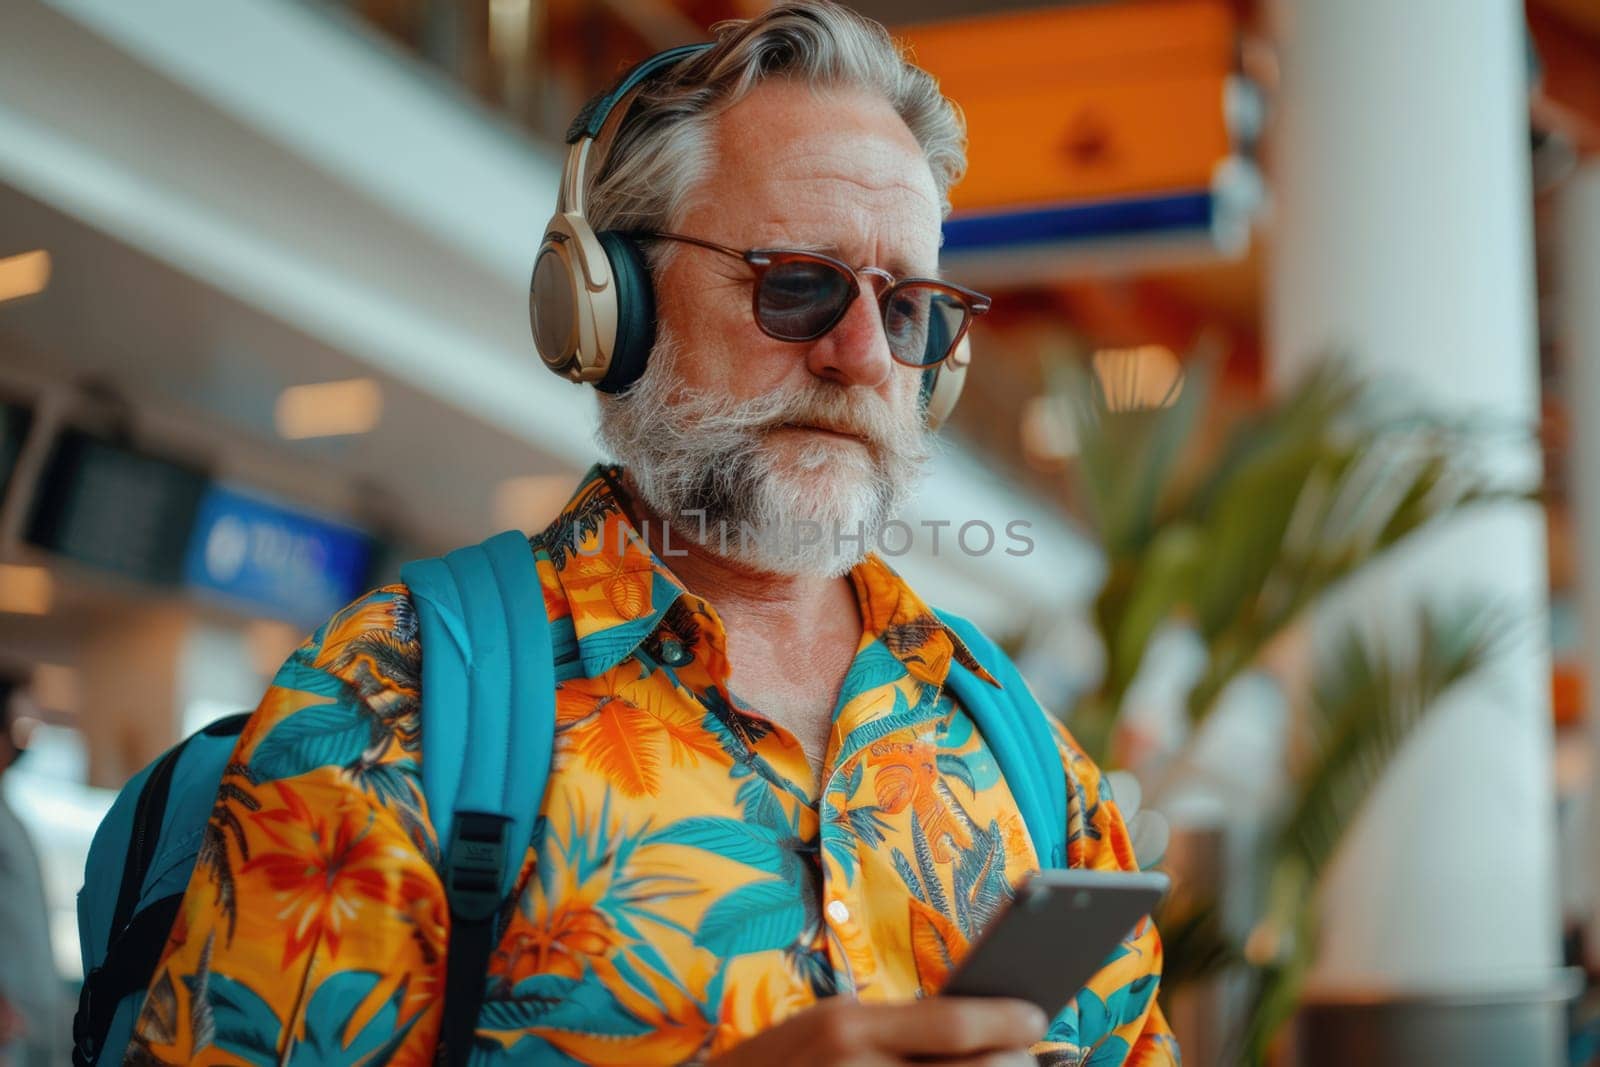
{"x":1016,"y":730}
{"x":488,"y":728}
{"x":139,"y":863}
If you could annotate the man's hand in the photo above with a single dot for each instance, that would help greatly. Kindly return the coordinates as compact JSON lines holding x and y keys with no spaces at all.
{"x":840,"y":1032}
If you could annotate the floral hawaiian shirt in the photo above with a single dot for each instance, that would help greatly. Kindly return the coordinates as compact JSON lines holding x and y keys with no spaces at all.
{"x":690,"y":882}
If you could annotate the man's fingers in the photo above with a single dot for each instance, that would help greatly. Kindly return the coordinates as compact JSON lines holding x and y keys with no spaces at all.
{"x":950,"y":1027}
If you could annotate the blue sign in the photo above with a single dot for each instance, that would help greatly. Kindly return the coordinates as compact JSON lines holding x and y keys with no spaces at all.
{"x":273,"y":558}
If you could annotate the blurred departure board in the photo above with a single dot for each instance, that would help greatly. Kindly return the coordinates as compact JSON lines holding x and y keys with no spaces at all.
{"x":274,"y":557}
{"x":109,"y":506}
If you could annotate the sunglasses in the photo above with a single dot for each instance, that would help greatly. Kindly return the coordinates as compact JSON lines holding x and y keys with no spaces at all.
{"x":799,"y":296}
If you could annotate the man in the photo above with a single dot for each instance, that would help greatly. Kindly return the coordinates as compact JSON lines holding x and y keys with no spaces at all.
{"x":769,"y":831}
{"x":30,"y":991}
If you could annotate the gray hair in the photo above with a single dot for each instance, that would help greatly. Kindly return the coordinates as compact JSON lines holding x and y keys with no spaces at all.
{"x":663,"y":146}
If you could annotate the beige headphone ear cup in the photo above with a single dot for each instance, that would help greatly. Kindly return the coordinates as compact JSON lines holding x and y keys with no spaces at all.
{"x":553,"y":305}
{"x":948,"y":379}
{"x":572,"y":300}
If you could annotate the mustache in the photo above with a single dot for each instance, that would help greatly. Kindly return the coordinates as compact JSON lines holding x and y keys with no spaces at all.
{"x":845,"y":411}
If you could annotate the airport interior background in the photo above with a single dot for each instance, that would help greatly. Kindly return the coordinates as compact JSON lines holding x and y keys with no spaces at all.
{"x":1296,"y":320}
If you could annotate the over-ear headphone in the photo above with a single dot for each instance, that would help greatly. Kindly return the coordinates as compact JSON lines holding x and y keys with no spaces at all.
{"x":591,"y":301}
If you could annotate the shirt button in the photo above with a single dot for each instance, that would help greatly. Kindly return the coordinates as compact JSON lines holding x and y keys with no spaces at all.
{"x":838,"y":912}
{"x":674,"y":654}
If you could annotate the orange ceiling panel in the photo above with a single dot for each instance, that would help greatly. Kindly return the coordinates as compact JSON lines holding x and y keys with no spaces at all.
{"x":1086,"y":103}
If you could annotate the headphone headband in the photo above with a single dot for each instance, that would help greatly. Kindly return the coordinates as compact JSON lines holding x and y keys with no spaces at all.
{"x":593,"y":117}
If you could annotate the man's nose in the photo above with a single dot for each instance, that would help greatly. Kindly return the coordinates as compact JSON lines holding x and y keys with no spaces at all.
{"x":855,"y":352}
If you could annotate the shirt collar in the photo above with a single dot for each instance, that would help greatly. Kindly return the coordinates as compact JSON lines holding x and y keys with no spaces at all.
{"x":893,"y":613}
{"x":618,"y":590}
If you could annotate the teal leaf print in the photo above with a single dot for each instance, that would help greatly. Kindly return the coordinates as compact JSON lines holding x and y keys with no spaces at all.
{"x":1064,"y":1027}
{"x":980,"y":879}
{"x":244,"y":1024}
{"x":903,"y":717}
{"x":842,"y":852}
{"x":908,"y":875}
{"x":850,"y":781}
{"x":329,"y":1015}
{"x":1094,"y":1020}
{"x":927,"y":868}
{"x":752,"y":918}
{"x":556,"y":1002}
{"x":300,"y":674}
{"x":329,"y":734}
{"x":979,"y":769}
{"x":956,"y":767}
{"x":759,"y":804}
{"x":394,"y":785}
{"x":604,"y":649}
{"x":637,"y":981}
{"x":956,"y":730}
{"x":1111,"y":1052}
{"x":753,"y":845}
{"x":874,"y":667}
{"x":868,"y":825}
{"x":984,"y":768}
{"x":1131,"y":1001}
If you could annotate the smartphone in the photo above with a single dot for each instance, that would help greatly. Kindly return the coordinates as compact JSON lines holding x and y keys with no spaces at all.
{"x":1055,"y":934}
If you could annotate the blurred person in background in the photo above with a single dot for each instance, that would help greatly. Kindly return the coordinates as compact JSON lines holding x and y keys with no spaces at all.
{"x":31,"y":1015}
{"x":769,"y":830}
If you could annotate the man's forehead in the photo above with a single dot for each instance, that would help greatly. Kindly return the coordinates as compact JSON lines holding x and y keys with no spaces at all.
{"x":787,"y":130}
{"x":824,"y":170}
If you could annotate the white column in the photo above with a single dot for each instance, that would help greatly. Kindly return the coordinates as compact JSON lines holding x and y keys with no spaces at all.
{"x":1402,"y":235}
{"x":1578,"y":284}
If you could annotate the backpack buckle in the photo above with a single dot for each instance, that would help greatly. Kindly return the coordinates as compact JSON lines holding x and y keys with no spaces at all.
{"x":475,"y":864}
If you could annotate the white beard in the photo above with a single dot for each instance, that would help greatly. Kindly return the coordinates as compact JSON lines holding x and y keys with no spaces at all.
{"x":799,"y":503}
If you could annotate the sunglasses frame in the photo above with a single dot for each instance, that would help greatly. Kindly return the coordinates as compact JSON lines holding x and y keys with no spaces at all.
{"x":762,"y":260}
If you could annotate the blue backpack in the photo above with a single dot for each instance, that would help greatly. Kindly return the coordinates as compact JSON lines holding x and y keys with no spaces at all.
{"x":483,"y":774}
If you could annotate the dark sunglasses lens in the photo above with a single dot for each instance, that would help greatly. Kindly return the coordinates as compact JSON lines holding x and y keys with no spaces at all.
{"x":800,"y":300}
{"x":922,"y":323}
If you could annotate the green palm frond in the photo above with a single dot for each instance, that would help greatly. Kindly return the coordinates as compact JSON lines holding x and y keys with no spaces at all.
{"x":1367,"y":698}
{"x":1242,"y":539}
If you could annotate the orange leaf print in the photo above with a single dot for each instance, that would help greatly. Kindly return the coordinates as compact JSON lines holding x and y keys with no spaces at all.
{"x":688,"y":739}
{"x":907,"y":774}
{"x":627,"y":594}
{"x":620,"y":743}
{"x":324,"y":874}
{"x":626,"y":583}
{"x":936,"y":945}
{"x":1014,"y":832}
{"x":573,"y":939}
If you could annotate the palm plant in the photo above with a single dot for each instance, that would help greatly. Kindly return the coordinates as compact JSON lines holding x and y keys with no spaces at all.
{"x":1237,"y":542}
{"x":1365,"y":699}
